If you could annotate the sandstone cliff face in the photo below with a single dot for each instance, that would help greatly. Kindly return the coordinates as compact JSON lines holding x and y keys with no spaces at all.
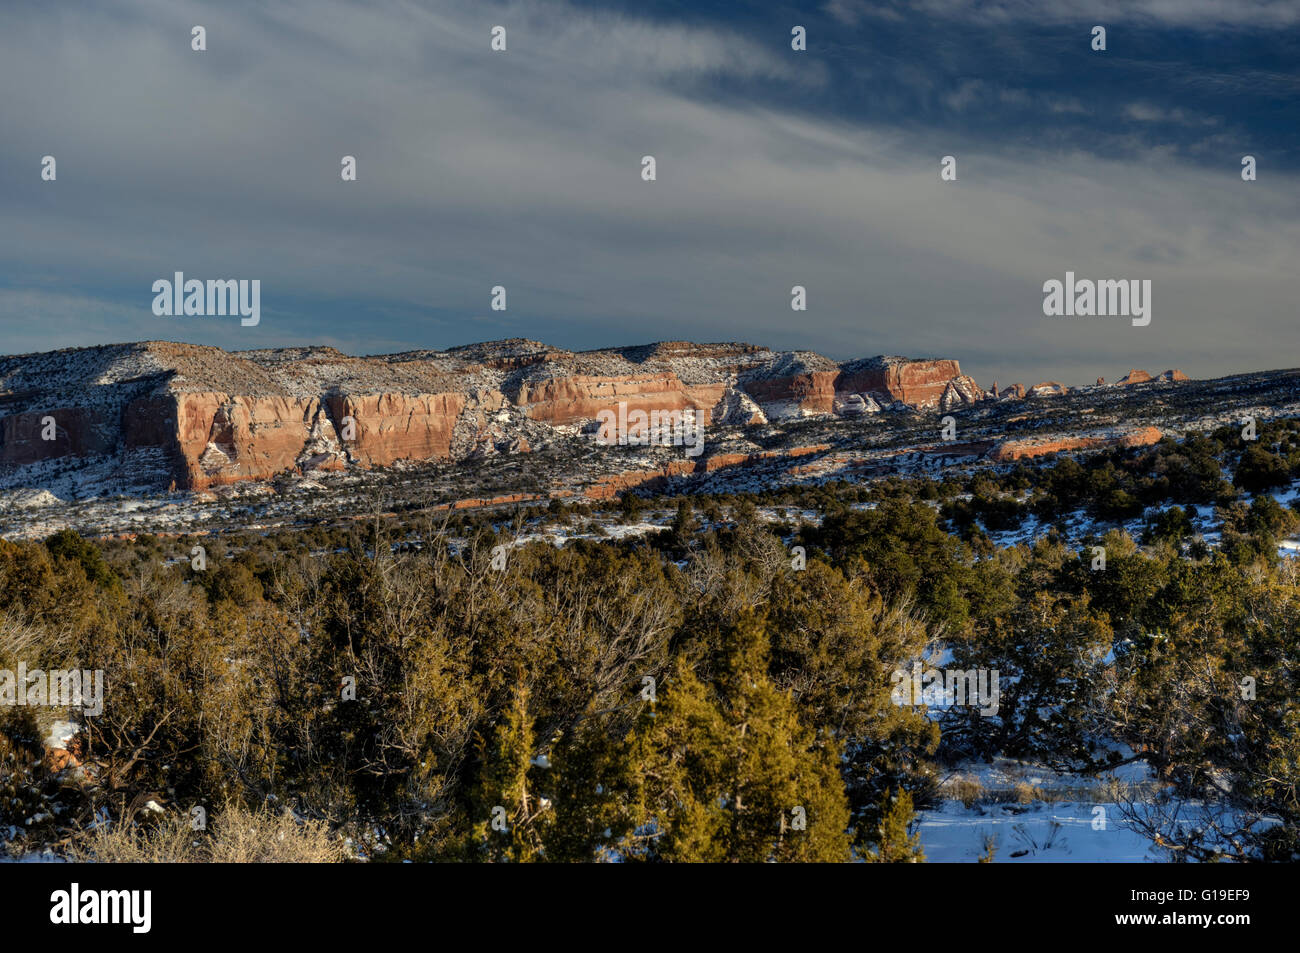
{"x":224,"y":438}
{"x":76,"y":431}
{"x":1011,"y":450}
{"x":861,"y":387}
{"x":919,"y":383}
{"x":197,"y":417}
{"x":392,"y":427}
{"x":922,"y":383}
{"x":1134,"y":377}
{"x":581,"y":398}
{"x":811,"y":392}
{"x":217,"y":438}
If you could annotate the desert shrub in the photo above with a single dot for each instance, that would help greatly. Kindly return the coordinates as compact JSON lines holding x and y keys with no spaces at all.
{"x":964,"y":789}
{"x":237,"y":836}
{"x":1259,"y":469}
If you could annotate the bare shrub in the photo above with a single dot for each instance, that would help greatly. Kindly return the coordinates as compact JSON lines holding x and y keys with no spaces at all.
{"x":261,"y":837}
{"x":964,"y":789}
{"x":238,"y":836}
{"x":1027,"y":793}
{"x":168,"y":842}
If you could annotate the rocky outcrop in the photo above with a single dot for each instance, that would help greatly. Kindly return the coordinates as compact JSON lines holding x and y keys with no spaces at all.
{"x":63,"y":746}
{"x":35,"y":436}
{"x":735,"y":408}
{"x":580,"y":399}
{"x":794,"y":385}
{"x":213,"y":438}
{"x":961,"y":391}
{"x":1141,"y":437}
{"x":808,"y":384}
{"x":855,"y":405}
{"x":918,"y":383}
{"x":392,"y":427}
{"x":1134,"y":376}
{"x":1007,"y":451}
{"x":610,"y":487}
{"x":226,"y":438}
{"x":193,"y":417}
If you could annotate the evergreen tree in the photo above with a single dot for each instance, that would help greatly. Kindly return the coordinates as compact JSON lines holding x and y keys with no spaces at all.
{"x":730,"y":772}
{"x":897,"y":841}
{"x":596,"y":790}
{"x":506,"y":813}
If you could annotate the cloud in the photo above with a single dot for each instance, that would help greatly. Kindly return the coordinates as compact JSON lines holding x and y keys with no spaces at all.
{"x":1188,"y":14}
{"x":523,"y":169}
{"x":1147,"y":112}
{"x":1067,"y":106}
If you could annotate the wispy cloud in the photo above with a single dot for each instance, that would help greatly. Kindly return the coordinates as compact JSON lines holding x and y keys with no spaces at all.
{"x":523,"y":169}
{"x":1148,"y":112}
{"x":1189,"y":14}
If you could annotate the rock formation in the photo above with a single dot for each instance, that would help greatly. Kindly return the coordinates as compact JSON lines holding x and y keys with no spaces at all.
{"x":1133,"y":377}
{"x":735,"y":408}
{"x":163,"y":414}
{"x":918,"y":383}
{"x":1010,"y":450}
{"x":960,"y":391}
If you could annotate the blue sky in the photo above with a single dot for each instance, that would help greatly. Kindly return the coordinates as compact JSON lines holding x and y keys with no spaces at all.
{"x":775,"y":168}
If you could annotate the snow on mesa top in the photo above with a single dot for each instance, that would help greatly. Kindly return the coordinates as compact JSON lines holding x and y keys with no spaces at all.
{"x":195,"y":416}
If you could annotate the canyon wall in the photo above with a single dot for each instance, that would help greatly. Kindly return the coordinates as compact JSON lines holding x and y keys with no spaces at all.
{"x":810,"y":392}
{"x":35,"y":436}
{"x":392,"y":427}
{"x":581,"y":398}
{"x":920,"y":383}
{"x":212,"y":439}
{"x":1008,"y":451}
{"x":196,"y":417}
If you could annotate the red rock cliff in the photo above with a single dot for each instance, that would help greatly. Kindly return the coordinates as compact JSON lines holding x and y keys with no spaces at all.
{"x":198,"y":416}
{"x":919,"y":383}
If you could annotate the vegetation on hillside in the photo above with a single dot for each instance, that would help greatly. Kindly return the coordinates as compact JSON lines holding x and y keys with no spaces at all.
{"x":719,"y":691}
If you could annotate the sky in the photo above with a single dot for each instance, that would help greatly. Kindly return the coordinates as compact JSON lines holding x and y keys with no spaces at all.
{"x":522,"y":169}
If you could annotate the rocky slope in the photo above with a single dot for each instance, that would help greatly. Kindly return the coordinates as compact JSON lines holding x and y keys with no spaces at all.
{"x":160,"y":414}
{"x":500,"y":458}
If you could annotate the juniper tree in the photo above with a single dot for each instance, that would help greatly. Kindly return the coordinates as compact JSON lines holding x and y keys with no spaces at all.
{"x":730,"y":772}
{"x":504,"y":809}
{"x":896,"y":840}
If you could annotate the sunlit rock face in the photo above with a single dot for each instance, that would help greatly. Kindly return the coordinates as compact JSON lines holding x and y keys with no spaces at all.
{"x":193,"y":417}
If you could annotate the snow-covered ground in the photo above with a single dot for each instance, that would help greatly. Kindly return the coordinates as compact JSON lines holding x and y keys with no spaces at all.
{"x":1031,"y":814}
{"x":1034,"y":833}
